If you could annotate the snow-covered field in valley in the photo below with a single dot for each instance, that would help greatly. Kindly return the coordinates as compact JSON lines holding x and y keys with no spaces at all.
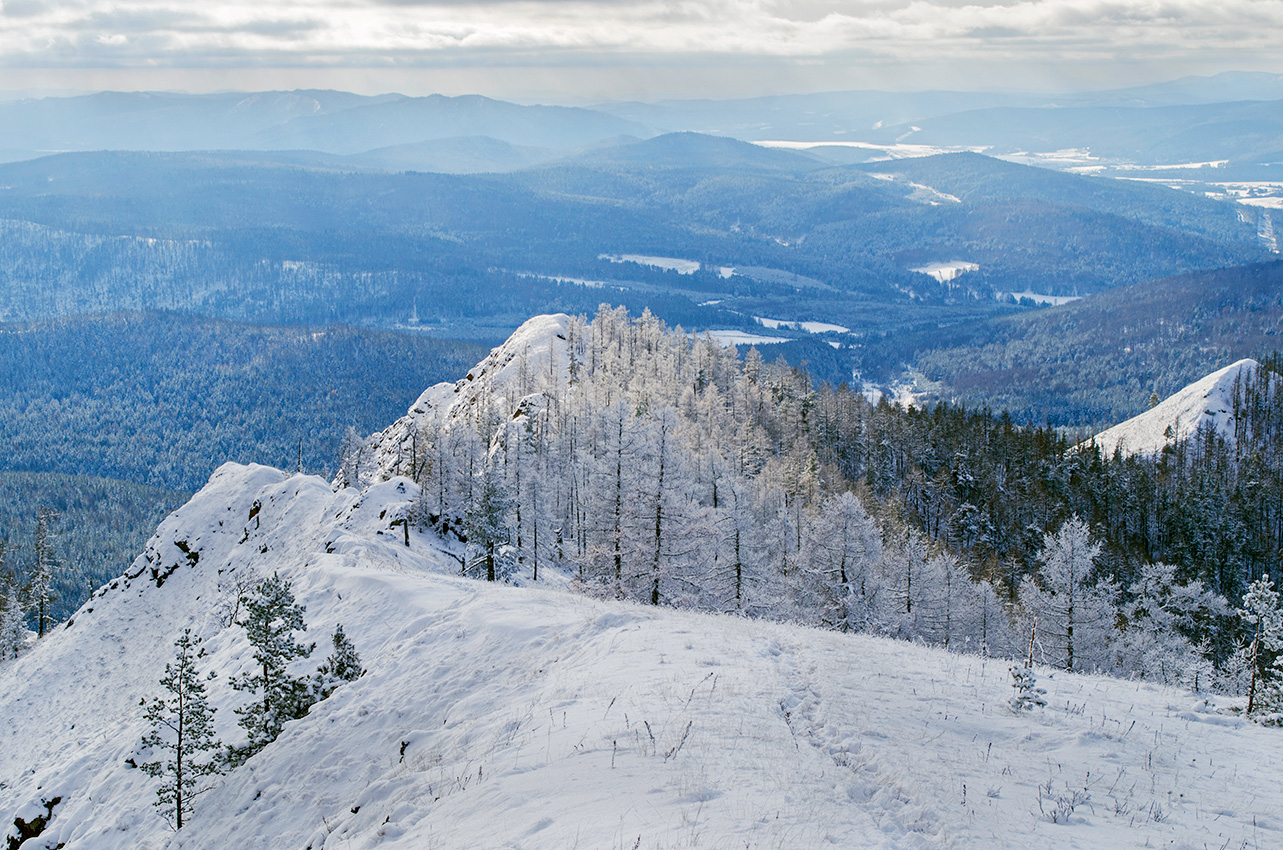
{"x":520,"y":717}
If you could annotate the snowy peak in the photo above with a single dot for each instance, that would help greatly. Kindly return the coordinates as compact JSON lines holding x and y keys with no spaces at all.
{"x":535,"y":357}
{"x":1206,"y":403}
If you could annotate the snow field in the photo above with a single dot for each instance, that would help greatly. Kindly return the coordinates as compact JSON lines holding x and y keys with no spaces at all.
{"x":1206,"y":403}
{"x":500,"y":717}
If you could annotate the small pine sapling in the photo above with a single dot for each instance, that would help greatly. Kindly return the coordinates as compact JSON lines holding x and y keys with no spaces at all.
{"x":182,"y":728}
{"x":342,"y":666}
{"x":1025,"y":684}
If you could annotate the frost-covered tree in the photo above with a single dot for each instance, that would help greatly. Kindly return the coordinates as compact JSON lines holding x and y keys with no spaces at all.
{"x":843,"y":553}
{"x":271,"y":618}
{"x":1075,"y":615}
{"x":13,"y":620}
{"x":486,"y":526}
{"x":1264,"y":621}
{"x":40,"y":592}
{"x":343,"y":665}
{"x":1161,"y":618}
{"x":181,"y":728}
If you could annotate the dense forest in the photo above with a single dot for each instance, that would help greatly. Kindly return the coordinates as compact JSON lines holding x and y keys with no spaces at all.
{"x":95,"y":527}
{"x":662,"y":468}
{"x":164,"y":399}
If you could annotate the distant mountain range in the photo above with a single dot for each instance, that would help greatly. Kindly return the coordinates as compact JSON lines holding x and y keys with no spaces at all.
{"x":1234,"y":116}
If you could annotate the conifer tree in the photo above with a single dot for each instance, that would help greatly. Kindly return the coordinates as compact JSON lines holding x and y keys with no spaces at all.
{"x":40,"y":592}
{"x":486,"y":526}
{"x":270,"y":620}
{"x":182,"y":728}
{"x":1264,"y":621}
{"x":1075,"y":616}
{"x":343,"y":665}
{"x":13,"y":620}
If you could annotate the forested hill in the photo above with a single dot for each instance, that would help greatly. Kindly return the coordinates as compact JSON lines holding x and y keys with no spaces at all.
{"x":165,"y":398}
{"x":653,"y":466}
{"x":1094,"y":362}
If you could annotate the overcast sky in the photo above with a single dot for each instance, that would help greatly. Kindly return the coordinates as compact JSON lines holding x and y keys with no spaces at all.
{"x":586,"y":50}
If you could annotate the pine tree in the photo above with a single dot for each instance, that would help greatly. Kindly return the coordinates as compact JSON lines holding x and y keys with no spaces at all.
{"x":270,"y":620}
{"x":181,"y":727}
{"x":40,"y":592}
{"x":13,"y":620}
{"x":486,"y":526}
{"x":1264,"y":621}
{"x":343,"y":665}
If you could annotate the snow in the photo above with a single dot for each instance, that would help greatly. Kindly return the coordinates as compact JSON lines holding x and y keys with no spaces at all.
{"x":922,"y":193}
{"x":494,"y":716}
{"x":1039,"y":298}
{"x":882,"y":152}
{"x":666,"y":263}
{"x":947,"y":271}
{"x":1208,"y":402}
{"x":809,"y":327}
{"x":535,"y":348}
{"x":1274,"y":203}
{"x":532,"y":717}
{"x":728,"y":338}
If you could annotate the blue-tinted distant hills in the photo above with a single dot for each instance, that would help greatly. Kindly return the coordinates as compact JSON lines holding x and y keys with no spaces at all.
{"x":327,"y":121}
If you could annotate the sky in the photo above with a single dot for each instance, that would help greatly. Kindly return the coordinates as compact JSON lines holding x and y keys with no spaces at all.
{"x":587,"y":50}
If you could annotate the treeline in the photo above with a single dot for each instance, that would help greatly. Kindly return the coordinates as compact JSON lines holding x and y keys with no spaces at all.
{"x":664,"y":469}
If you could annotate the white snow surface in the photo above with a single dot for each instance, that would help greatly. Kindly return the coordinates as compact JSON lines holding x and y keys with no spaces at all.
{"x":727,"y":338}
{"x":672,"y":264}
{"x":1040,"y":298}
{"x":809,"y":327}
{"x":502,"y":717}
{"x":947,"y":271}
{"x":1208,"y":402}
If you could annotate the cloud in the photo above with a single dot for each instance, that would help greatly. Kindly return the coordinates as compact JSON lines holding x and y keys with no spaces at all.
{"x":841,"y":34}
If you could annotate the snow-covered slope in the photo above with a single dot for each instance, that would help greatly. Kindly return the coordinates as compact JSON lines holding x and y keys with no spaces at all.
{"x":500,"y":717}
{"x":1206,"y":403}
{"x":535,"y":354}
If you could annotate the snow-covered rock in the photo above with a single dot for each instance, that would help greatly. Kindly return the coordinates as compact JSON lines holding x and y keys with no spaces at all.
{"x":501,"y":717}
{"x":537,"y":353}
{"x":1206,"y":403}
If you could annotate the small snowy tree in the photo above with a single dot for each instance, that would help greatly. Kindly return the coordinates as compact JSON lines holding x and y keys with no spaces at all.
{"x":1264,"y":621}
{"x":271,"y":618}
{"x":343,"y":665}
{"x":13,"y":621}
{"x":182,"y":728}
{"x":1025,"y":684}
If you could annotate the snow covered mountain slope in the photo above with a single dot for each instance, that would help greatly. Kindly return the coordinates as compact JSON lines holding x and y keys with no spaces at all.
{"x":536,"y":350}
{"x":502,"y":717}
{"x":1206,"y":403}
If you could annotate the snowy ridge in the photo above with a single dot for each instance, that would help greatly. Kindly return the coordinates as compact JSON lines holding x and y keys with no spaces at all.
{"x":493,"y":716}
{"x":1206,"y":403}
{"x":536,"y":350}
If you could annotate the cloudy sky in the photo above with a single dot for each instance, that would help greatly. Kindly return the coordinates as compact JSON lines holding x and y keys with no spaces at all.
{"x":572,"y":50}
